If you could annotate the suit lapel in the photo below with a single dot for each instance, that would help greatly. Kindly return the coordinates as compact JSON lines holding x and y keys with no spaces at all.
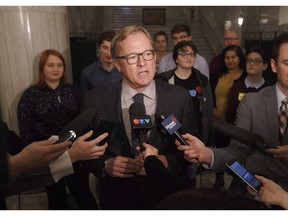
{"x":161,"y":104}
{"x":112,"y":98}
{"x":272,"y":113}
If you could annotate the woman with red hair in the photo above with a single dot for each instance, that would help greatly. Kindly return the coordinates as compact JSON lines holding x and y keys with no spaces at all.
{"x":44,"y":109}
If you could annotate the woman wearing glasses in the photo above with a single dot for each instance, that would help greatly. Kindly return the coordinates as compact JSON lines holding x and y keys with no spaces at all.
{"x":185,"y":75}
{"x":256,"y":64}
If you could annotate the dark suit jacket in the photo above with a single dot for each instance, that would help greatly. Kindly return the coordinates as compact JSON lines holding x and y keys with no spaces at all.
{"x":129,"y":193}
{"x":257,"y":112}
{"x":206,"y":102}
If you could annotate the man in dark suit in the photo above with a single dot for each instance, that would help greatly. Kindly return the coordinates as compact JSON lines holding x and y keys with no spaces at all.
{"x":258,"y":112}
{"x":123,"y":184}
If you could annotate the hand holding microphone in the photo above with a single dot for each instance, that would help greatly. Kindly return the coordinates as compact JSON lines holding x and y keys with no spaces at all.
{"x":196,"y":151}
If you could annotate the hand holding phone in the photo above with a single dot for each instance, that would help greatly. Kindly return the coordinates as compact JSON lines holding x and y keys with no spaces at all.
{"x":246,"y":176}
{"x":270,"y":146}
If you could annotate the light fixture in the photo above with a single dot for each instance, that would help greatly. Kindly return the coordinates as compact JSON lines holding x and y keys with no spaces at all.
{"x":240,"y":20}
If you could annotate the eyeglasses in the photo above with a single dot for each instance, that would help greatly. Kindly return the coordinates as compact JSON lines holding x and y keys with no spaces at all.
{"x":186,"y":54}
{"x":255,"y":61}
{"x":134,"y":57}
{"x":233,"y":39}
{"x":182,"y":37}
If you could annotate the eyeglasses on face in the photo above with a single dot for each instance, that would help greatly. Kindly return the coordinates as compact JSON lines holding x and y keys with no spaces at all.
{"x":186,"y":54}
{"x":254,"y":61}
{"x":231,"y":38}
{"x":182,"y":37}
{"x":134,"y":57}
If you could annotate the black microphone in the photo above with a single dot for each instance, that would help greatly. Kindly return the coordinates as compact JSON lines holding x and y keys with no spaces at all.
{"x":80,"y":123}
{"x":171,"y":125}
{"x":244,"y":136}
{"x":140,"y":122}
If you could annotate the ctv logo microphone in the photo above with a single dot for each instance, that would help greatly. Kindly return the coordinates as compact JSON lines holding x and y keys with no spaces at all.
{"x":171,"y":124}
{"x":137,"y":121}
{"x":141,"y":122}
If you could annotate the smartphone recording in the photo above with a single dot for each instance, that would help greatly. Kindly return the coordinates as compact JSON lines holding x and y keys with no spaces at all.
{"x":243,"y":174}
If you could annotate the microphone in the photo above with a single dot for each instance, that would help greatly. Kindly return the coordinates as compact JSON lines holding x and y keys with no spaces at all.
{"x":244,"y":136}
{"x":140,"y":122}
{"x":80,"y":123}
{"x":171,"y":125}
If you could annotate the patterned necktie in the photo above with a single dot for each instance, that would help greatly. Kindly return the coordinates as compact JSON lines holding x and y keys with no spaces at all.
{"x":283,"y":116}
{"x":139,"y":98}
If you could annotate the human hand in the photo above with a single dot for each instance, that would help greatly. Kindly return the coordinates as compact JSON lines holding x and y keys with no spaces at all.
{"x":271,"y":193}
{"x":123,"y":167}
{"x":149,"y":150}
{"x":141,"y":170}
{"x":196,"y":151}
{"x":87,"y":150}
{"x":279,"y":152}
{"x":36,"y":155}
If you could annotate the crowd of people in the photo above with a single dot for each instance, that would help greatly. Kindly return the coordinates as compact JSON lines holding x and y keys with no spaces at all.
{"x":161,"y":174}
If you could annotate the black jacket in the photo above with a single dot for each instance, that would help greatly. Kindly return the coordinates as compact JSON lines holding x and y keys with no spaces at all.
{"x":206,"y":102}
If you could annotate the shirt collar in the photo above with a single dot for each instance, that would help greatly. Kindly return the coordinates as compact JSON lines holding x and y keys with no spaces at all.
{"x":129,"y":92}
{"x":254,"y":85}
{"x":280,"y":96}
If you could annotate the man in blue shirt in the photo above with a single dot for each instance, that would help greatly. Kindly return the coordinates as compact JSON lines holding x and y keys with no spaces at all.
{"x":101,"y":72}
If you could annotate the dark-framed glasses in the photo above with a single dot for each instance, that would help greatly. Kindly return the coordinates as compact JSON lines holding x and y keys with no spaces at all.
{"x":254,"y":61}
{"x":186,"y":54}
{"x":134,"y":57}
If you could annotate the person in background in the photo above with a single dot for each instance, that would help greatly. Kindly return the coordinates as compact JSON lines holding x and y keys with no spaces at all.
{"x":185,"y":75}
{"x":102,"y":72}
{"x":260,"y":113}
{"x":160,"y":41}
{"x":230,"y":38}
{"x":233,"y":61}
{"x":123,"y":181}
{"x":256,"y":64}
{"x":181,"y":32}
{"x":44,"y":109}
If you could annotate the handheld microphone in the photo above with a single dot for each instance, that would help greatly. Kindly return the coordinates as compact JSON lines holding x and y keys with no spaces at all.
{"x":244,"y":136}
{"x":171,"y":125}
{"x":140,"y":122}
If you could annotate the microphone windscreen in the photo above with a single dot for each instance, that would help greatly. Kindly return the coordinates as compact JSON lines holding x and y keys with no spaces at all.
{"x":244,"y":136}
{"x":137,"y":109}
{"x":138,"y":118}
{"x":80,"y":123}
